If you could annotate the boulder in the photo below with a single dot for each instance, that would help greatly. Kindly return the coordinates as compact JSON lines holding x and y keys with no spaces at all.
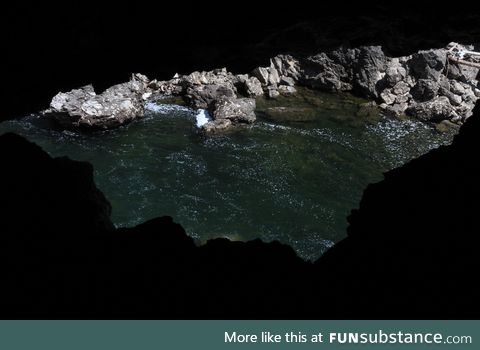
{"x":387,"y":96}
{"x":286,"y":90}
{"x":228,"y":112}
{"x":425,"y":90}
{"x":321,"y":72}
{"x":428,"y":64}
{"x":455,"y":100}
{"x":272,"y":92}
{"x":261,"y":74}
{"x":239,"y":110}
{"x":395,"y":110}
{"x":253,"y":87}
{"x":203,"y":96}
{"x":286,"y":81}
{"x":401,"y":88}
{"x":434,"y":110}
{"x":116,"y":106}
{"x":287,"y":66}
{"x":368,"y":70}
{"x":273,"y":76}
{"x":395,"y":72}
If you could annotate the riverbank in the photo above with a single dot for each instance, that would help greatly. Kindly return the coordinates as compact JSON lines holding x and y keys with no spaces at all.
{"x":429,"y":86}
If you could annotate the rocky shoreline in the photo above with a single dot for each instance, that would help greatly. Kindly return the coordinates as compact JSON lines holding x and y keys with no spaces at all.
{"x":430,"y":85}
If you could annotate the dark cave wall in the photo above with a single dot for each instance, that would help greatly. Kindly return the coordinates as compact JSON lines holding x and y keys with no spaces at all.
{"x":411,"y":250}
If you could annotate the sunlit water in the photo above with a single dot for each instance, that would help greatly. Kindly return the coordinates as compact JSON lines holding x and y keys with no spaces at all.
{"x":288,"y":178}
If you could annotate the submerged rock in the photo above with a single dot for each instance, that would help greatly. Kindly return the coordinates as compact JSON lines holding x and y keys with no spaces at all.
{"x":114,"y":107}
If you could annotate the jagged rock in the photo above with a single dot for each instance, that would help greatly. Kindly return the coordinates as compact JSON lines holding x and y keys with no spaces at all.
{"x":398,"y":83}
{"x":428,"y":64}
{"x":371,"y":63}
{"x":116,"y":106}
{"x":272,"y":92}
{"x":345,"y":57}
{"x":401,"y":99}
{"x":261,"y":74}
{"x":455,"y":100}
{"x":321,"y":72}
{"x":387,"y":96}
{"x":434,"y":110}
{"x":286,"y":81}
{"x":203,"y":96}
{"x":401,"y":88}
{"x":253,"y":87}
{"x":273,"y":76}
{"x":465,"y":74}
{"x":286,"y":90}
{"x":394,"y":73}
{"x":457,"y":88}
{"x":395,"y":110}
{"x":228,"y":112}
{"x":237,"y":110}
{"x":287,"y":66}
{"x":425,"y":90}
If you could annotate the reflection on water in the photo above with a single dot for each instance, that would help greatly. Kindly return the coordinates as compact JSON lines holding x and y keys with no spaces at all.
{"x":293,"y":176}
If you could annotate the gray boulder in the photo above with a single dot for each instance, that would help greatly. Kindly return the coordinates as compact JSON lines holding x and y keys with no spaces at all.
{"x":321,"y":72}
{"x":287,"y":66}
{"x":394,"y":73}
{"x":428,"y":64}
{"x":286,"y":90}
{"x":425,"y":90}
{"x":273,"y":76}
{"x":203,"y":96}
{"x":237,"y":110}
{"x":228,"y":112}
{"x":368,"y":70}
{"x":434,"y":110}
{"x":272,"y":92}
{"x":253,"y":87}
{"x":287,"y":81}
{"x":116,"y":106}
{"x":261,"y":74}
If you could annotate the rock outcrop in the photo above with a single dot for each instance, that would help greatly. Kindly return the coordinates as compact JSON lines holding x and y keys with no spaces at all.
{"x":230,"y":111}
{"x":410,"y":85}
{"x":427,"y":85}
{"x":116,"y":106}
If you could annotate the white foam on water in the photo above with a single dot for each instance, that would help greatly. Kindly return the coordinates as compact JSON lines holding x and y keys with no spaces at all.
{"x":202,"y":117}
{"x":164,"y":108}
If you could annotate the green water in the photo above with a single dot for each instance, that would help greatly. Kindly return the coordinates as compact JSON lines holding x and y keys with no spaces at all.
{"x":293,"y":176}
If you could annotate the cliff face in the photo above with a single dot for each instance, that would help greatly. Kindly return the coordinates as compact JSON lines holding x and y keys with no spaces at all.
{"x":410,"y":251}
